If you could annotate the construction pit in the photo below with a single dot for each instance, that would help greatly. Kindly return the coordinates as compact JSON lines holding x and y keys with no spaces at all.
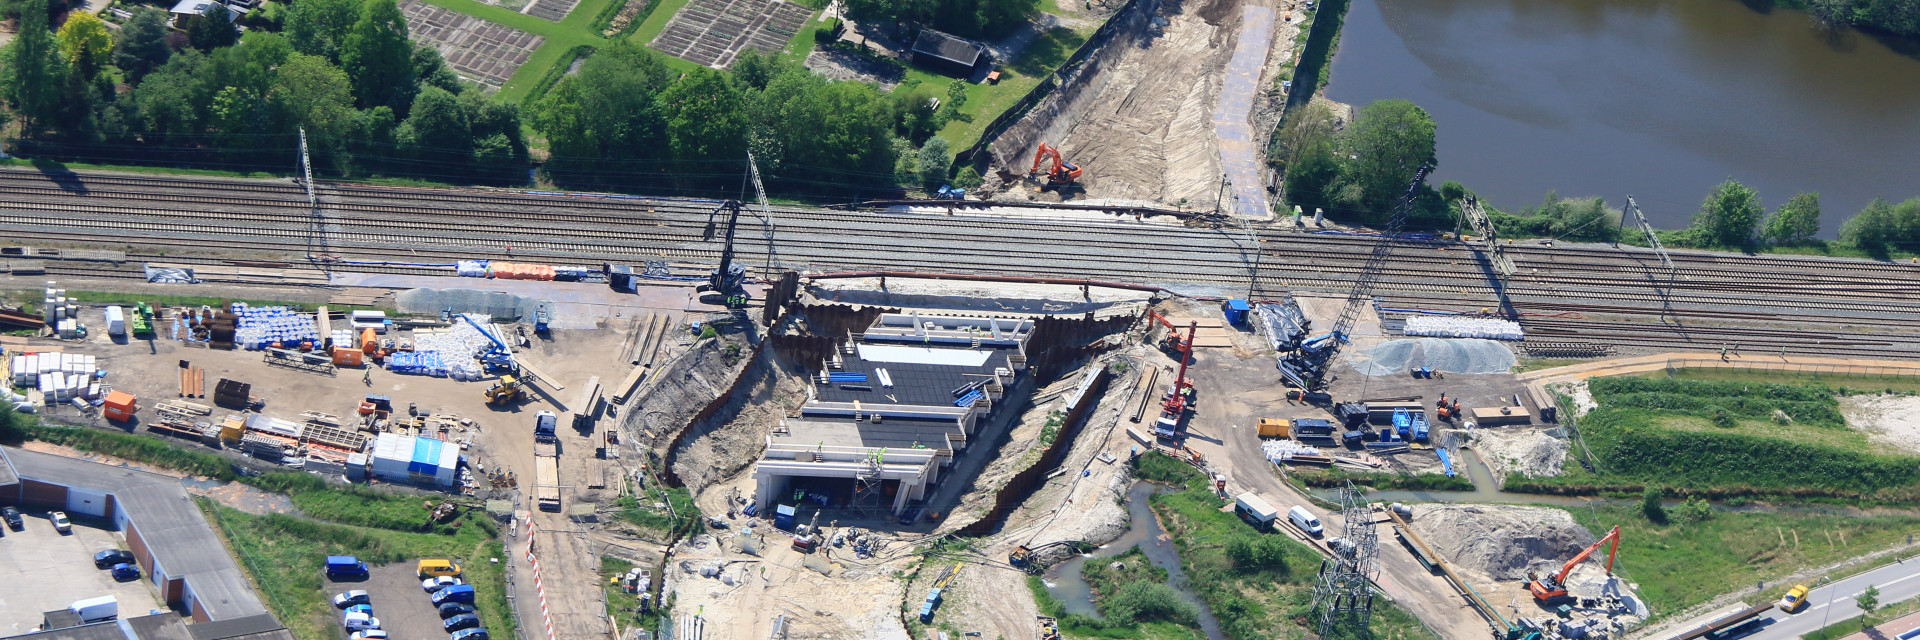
{"x":1182,"y":93}
{"x":713,"y":408}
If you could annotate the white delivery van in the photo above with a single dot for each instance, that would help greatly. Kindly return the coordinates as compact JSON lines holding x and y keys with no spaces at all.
{"x":1305,"y":521}
{"x":1254,"y":510}
{"x":96,"y":609}
{"x":116,"y":321}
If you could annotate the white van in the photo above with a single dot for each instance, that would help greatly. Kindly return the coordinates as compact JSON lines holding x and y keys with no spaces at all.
{"x":96,"y":609}
{"x":1305,"y":521}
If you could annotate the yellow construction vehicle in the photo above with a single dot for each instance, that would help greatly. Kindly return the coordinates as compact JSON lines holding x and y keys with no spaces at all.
{"x":506,"y":392}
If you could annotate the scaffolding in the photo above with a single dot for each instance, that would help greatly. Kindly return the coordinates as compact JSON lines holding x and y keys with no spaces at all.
{"x":1344,"y":595}
{"x":869,"y":496}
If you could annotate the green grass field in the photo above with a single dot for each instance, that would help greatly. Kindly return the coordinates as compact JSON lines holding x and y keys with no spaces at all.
{"x":1844,"y":383}
{"x":1678,"y":565}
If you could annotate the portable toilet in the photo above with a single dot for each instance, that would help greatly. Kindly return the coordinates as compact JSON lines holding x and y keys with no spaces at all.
{"x":783,"y":517}
{"x":120,"y":406}
{"x":1236,"y":310}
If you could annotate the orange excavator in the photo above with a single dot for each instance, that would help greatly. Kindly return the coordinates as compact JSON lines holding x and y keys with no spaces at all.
{"x":1060,"y":174}
{"x":1174,"y":345}
{"x":1550,"y":590}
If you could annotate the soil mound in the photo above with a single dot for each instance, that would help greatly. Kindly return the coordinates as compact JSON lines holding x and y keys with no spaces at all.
{"x":1501,"y":541}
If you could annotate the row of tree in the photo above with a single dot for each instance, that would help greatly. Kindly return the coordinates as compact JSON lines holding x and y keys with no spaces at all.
{"x":1901,"y":17}
{"x":373,"y":104}
{"x":965,"y":17}
{"x":627,"y":121}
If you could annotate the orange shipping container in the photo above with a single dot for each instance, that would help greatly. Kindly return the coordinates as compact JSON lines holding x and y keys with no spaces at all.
{"x":345,"y":357}
{"x":120,"y":406}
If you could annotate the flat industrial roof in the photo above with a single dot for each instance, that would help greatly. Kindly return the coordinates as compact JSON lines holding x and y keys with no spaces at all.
{"x":7,"y":476}
{"x":179,"y":536}
{"x":109,"y":630}
{"x":914,"y":383}
{"x":251,"y":627}
{"x":894,"y":433}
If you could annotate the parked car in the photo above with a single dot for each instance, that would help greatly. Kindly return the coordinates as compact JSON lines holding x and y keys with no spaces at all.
{"x":435,"y":567}
{"x":360,"y":608}
{"x":14,"y":521}
{"x":439,"y":582}
{"x":361,"y":622}
{"x":1795,"y":598}
{"x":111,"y":557}
{"x":452,"y":609}
{"x":476,"y":633}
{"x":124,"y":572}
{"x":462,"y":594}
{"x":60,"y":522}
{"x":462,"y":621}
{"x":370,"y":634}
{"x":351,"y":598}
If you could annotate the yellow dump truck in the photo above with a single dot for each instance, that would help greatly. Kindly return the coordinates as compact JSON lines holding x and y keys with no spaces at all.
{"x":1276,"y":428}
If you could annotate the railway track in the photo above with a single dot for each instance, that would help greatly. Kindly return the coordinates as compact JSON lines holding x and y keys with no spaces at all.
{"x":1569,"y":294}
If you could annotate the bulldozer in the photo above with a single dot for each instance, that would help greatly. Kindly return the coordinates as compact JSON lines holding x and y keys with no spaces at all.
{"x":1060,"y":175}
{"x":506,"y":392}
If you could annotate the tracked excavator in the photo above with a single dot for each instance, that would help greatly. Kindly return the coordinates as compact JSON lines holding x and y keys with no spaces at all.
{"x":1060,"y":175}
{"x":728,"y":282}
{"x":1552,"y":590}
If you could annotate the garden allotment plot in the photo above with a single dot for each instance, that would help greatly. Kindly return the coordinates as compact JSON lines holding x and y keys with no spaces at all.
{"x":712,"y":32}
{"x":483,"y":51}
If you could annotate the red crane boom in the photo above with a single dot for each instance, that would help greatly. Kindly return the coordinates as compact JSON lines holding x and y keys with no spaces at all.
{"x":1554,"y":587}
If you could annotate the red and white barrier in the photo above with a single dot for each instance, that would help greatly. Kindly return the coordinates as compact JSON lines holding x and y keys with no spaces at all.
{"x":539,"y":589}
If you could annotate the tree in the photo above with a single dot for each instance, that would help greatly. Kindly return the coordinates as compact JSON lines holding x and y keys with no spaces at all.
{"x":706,"y":127}
{"x":1379,"y":153}
{"x":320,"y":27}
{"x":499,"y":146}
{"x":143,"y":44}
{"x":1311,"y":174}
{"x":213,"y":28}
{"x":604,"y":128}
{"x":432,"y":69}
{"x":172,"y":100}
{"x":1872,"y":228}
{"x":1145,"y":601}
{"x":1869,"y":600}
{"x":86,"y":44}
{"x":1728,"y":216}
{"x":379,"y":59}
{"x":34,"y":72}
{"x":1795,"y":222}
{"x":438,"y":135}
{"x":313,"y":94}
{"x":934,"y":163}
{"x":1650,"y":505}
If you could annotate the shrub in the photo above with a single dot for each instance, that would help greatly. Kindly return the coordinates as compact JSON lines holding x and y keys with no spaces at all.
{"x":1650,"y":505}
{"x":1144,"y":601}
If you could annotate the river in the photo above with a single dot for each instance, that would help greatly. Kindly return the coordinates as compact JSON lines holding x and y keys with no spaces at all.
{"x":1143,"y":530}
{"x":1660,"y":99}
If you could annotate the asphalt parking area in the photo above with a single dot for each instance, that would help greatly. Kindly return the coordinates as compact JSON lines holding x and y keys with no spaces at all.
{"x":46,"y":571}
{"x":405,"y":611}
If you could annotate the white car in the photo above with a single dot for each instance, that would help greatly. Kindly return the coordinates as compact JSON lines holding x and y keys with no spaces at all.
{"x":60,"y":522}
{"x":350,"y":598}
{"x":437,"y":583}
{"x":370,"y":634}
{"x":361,"y":622}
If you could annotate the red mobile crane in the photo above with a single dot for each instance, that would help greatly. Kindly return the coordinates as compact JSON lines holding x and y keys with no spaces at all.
{"x":1553,"y":588}
{"x":1173,"y":410}
{"x":1061,"y":174}
{"x":1172,"y":345}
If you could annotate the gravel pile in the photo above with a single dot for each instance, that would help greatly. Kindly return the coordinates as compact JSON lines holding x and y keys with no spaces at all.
{"x":1498,"y":540}
{"x":1465,"y":355}
{"x":1532,"y":454}
{"x":503,"y":307}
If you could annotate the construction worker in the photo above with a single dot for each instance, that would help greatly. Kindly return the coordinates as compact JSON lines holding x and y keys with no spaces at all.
{"x":367,"y":377}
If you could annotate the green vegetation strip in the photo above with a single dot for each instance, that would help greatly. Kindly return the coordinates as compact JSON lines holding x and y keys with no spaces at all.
{"x":1725,"y":439}
{"x":1336,"y":477}
{"x":1257,"y":584}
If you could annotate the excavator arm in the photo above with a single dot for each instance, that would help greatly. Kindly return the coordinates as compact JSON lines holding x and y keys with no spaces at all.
{"x":1061,"y":171}
{"x":1613,"y":536}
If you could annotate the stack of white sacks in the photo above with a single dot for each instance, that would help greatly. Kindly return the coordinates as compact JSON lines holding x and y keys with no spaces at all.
{"x":58,"y":377}
{"x":1279,"y":451}
{"x":1457,"y":327}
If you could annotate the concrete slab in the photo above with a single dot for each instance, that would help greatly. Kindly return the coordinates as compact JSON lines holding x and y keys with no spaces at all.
{"x":47,"y":571}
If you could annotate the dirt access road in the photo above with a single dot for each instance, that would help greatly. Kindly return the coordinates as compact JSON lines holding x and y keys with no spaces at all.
{"x":1142,"y":123}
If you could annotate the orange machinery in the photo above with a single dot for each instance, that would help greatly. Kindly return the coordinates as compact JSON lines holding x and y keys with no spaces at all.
{"x":1061,"y":173}
{"x":120,"y":406}
{"x":1551,"y":589}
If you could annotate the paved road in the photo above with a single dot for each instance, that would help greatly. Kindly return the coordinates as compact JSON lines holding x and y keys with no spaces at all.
{"x":1896,"y":582}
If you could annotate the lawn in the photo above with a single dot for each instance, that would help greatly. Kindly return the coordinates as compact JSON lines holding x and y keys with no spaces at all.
{"x":986,"y":101}
{"x":1678,"y":565}
{"x":623,"y":606}
{"x":285,"y":556}
{"x":574,"y":30}
{"x":1842,"y":383}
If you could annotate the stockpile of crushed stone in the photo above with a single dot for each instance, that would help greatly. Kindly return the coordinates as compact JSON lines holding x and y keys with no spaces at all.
{"x":1531,"y":453}
{"x":1448,"y":355}
{"x":1501,"y":541}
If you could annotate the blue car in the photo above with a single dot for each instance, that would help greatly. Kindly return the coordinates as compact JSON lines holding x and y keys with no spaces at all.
{"x":361,"y":608}
{"x":124,"y":572}
{"x":477,"y":633}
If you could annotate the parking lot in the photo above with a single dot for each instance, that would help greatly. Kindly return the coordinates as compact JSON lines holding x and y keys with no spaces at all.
{"x":47,"y":571}
{"x":405,"y":611}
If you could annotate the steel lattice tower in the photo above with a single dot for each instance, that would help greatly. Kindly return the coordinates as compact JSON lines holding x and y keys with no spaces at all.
{"x":1344,"y":595}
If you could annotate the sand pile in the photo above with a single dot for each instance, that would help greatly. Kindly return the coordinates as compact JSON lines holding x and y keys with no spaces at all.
{"x":1888,"y":420}
{"x":1531,"y":453}
{"x":1501,"y":541}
